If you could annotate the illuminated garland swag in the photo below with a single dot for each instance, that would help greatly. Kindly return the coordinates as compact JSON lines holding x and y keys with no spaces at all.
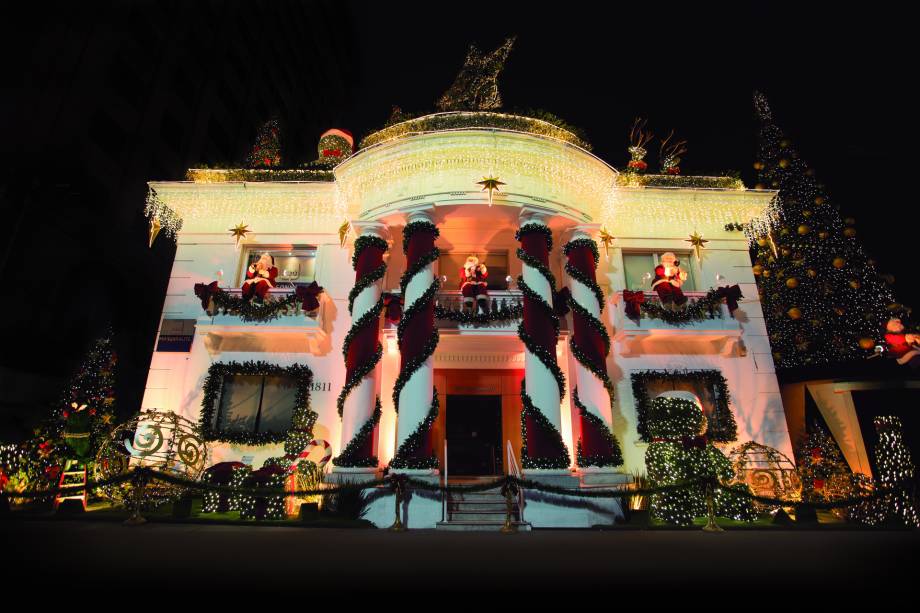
{"x":722,"y":426}
{"x":303,"y":418}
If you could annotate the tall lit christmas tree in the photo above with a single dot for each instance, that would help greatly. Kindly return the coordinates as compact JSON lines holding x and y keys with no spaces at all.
{"x":895,"y":473}
{"x":823,"y":300}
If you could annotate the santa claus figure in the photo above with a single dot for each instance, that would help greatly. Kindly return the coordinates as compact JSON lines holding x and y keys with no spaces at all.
{"x":905,"y":348}
{"x":260,"y":277}
{"x":669,"y":277}
{"x":473,"y":284}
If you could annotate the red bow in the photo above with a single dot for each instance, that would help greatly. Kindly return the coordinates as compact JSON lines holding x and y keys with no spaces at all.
{"x":307,"y":294}
{"x":392,"y":306}
{"x":332,"y":153}
{"x":691,"y":442}
{"x":205,"y":291}
{"x":731,"y":294}
{"x":634,"y":301}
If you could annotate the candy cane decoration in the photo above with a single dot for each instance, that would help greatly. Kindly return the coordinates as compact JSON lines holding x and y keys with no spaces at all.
{"x":327,"y":454}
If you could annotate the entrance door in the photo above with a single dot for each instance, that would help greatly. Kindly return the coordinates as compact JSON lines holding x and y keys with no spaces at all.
{"x":474,"y":435}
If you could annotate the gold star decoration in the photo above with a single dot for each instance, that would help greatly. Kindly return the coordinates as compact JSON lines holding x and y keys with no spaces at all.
{"x":239,"y":232}
{"x":698,"y":243}
{"x":490,"y":184}
{"x":344,"y":229}
{"x":606,"y":238}
{"x":107,"y":418}
{"x":155,"y":227}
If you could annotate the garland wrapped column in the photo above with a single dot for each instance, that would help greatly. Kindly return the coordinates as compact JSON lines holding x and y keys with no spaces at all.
{"x":590,"y":344}
{"x":358,"y":404}
{"x":544,"y":384}
{"x":414,"y":396}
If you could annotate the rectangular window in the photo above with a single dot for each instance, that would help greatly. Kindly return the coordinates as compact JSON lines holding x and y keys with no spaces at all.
{"x":639,"y":269}
{"x":295,"y":264}
{"x":449,"y":265}
{"x":255,"y":403}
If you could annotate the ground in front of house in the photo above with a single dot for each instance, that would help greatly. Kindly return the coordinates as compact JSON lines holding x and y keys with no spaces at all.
{"x":186,"y":557}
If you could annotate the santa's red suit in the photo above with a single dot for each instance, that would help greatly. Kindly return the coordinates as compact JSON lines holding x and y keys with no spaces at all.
{"x":668,"y":286}
{"x":473,"y":282}
{"x":258,"y":282}
{"x":903,"y":347}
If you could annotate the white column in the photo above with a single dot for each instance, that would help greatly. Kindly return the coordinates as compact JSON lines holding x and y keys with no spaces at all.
{"x":416,"y":396}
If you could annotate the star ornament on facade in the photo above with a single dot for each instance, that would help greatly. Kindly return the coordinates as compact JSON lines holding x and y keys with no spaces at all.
{"x":239,"y":232}
{"x":606,"y":238}
{"x":698,"y":243}
{"x":490,"y":184}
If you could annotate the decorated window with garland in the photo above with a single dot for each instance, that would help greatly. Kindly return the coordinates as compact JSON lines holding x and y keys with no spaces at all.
{"x":708,"y":385}
{"x":639,"y":269}
{"x":255,"y":403}
{"x":450,"y":263}
{"x":296,"y":263}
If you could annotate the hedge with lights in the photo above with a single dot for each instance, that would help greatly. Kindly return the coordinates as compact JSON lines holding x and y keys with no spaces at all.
{"x":678,"y":452}
{"x":303,"y":418}
{"x":722,"y":427}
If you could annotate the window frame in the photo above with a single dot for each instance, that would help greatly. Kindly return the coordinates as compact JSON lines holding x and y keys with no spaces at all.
{"x":248,"y":249}
{"x":682,"y":255}
{"x":302,"y":417}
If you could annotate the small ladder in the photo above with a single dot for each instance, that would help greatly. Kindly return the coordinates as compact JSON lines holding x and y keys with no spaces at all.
{"x":74,"y":474}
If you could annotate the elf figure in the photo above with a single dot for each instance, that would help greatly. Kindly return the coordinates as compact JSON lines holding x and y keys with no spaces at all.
{"x":905,"y":348}
{"x":473,"y":284}
{"x":260,"y":277}
{"x":669,"y":277}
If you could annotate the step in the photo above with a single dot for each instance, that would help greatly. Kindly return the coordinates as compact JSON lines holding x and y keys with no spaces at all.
{"x":480,"y":526}
{"x":491,"y":517}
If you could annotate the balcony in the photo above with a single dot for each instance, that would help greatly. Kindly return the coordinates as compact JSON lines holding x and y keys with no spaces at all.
{"x":267,"y":327}
{"x":715,"y":332}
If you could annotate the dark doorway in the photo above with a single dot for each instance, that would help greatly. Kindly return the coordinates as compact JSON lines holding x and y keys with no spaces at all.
{"x":474,"y":435}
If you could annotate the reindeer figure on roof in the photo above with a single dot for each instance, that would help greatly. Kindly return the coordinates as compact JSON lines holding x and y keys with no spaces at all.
{"x":639,"y":137}
{"x":669,"y":154}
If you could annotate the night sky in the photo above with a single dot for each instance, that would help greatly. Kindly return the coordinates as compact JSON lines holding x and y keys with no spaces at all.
{"x":837,"y":82}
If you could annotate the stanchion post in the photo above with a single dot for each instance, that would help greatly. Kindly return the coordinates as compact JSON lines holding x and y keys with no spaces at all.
{"x":508,"y":490}
{"x":397,"y":490}
{"x":140,"y":483}
{"x":711,"y":525}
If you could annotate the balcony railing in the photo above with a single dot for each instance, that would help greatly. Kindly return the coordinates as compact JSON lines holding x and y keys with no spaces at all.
{"x":286,"y":315}
{"x":686,"y":318}
{"x":499,"y":301}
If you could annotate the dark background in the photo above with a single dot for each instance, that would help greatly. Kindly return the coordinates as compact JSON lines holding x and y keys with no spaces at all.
{"x":98,"y":97}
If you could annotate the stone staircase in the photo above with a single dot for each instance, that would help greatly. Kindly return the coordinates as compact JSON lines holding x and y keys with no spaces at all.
{"x":479,"y":511}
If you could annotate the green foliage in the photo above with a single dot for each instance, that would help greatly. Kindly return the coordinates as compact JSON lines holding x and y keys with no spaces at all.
{"x":721,"y":428}
{"x":347,"y":503}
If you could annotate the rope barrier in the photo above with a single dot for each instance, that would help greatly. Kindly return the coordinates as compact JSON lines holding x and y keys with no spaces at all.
{"x":149,"y":476}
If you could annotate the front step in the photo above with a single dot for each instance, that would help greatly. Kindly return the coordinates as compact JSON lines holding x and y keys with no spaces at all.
{"x":481,"y":526}
{"x":484,"y":510}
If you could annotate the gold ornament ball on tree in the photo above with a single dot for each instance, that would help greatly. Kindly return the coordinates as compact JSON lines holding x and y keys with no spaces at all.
{"x":812,"y":273}
{"x":854,"y":283}
{"x":866,"y":343}
{"x":784,"y":143}
{"x":761,"y":242}
{"x":803,"y":230}
{"x":757,"y":269}
{"x":786,"y":251}
{"x":758,"y":165}
{"x":822,"y":234}
{"x":766,"y":272}
{"x":838,"y":263}
{"x":839,"y":311}
{"x":806,"y":213}
{"x":784,"y":163}
{"x":794,"y":313}
{"x":849,"y":232}
{"x":792,"y":283}
{"x":819,"y":200}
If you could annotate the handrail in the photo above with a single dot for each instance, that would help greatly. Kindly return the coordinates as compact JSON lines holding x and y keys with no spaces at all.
{"x":444,"y":493}
{"x":515,"y":472}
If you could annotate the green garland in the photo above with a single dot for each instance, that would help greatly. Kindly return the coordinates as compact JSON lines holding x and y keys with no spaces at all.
{"x":595,"y":323}
{"x":614,"y":457}
{"x":366,"y":319}
{"x":349,"y":457}
{"x":631,"y":179}
{"x":560,"y":459}
{"x":251,"y":310}
{"x":257,"y":175}
{"x":356,"y":377}
{"x":417,"y":226}
{"x":503,"y":313}
{"x":415,"y":308}
{"x":722,"y":426}
{"x":302,"y":420}
{"x":583,"y":242}
{"x":707,"y":307}
{"x":579,"y":276}
{"x":363,"y":242}
{"x":403,"y":457}
{"x":535,"y":227}
{"x":364,"y":282}
{"x":548,"y":359}
{"x":529,"y":292}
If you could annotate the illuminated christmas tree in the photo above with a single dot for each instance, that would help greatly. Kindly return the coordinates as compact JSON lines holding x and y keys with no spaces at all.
{"x":894,"y":472}
{"x":266,"y":152}
{"x":823,"y":300}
